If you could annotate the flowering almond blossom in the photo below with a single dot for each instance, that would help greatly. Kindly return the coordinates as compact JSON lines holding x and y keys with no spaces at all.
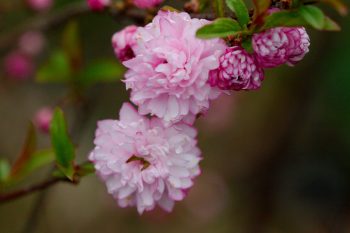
{"x":281,"y":45}
{"x":144,"y":163}
{"x":238,"y":71}
{"x":169,"y":75}
{"x":98,"y":5}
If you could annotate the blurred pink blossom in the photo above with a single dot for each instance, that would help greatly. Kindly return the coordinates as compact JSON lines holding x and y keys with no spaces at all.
{"x":146,"y":3}
{"x":43,"y":119}
{"x":40,"y":5}
{"x":98,"y":5}
{"x":169,"y":75}
{"x":144,"y":163}
{"x":31,"y":42}
{"x":18,"y":66}
{"x":124,"y":42}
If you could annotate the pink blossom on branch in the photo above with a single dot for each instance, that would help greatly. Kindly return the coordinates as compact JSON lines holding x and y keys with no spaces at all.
{"x":43,"y":119}
{"x":144,"y":163}
{"x":146,"y":3}
{"x":31,"y":42}
{"x":98,"y":5}
{"x":281,"y":45}
{"x":18,"y":66}
{"x":124,"y":43}
{"x":169,"y":76}
{"x":238,"y":70}
{"x":40,"y":5}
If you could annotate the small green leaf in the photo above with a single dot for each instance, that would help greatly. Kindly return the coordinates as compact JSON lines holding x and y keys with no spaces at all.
{"x":313,"y":16}
{"x":330,"y":25}
{"x":219,"y":7}
{"x":169,"y":8}
{"x":28,"y":149}
{"x":284,"y":18}
{"x":38,"y":160}
{"x":86,"y":169}
{"x":5,"y":169}
{"x":56,"y":70}
{"x":221,"y":27}
{"x":62,"y":145}
{"x":239,"y":7}
{"x":101,"y":72}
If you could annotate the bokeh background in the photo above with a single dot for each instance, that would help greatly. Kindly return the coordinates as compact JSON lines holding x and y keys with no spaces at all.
{"x":275,"y":160}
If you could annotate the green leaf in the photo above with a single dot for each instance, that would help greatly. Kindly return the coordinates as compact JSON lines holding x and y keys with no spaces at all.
{"x":239,"y":7}
{"x":169,"y":8}
{"x":5,"y":169}
{"x":221,"y":27}
{"x":72,"y":45}
{"x":219,"y":7}
{"x":102,"y":71}
{"x":330,"y":25}
{"x":86,"y":169}
{"x":55,"y":70}
{"x":28,"y":149}
{"x":313,"y":16}
{"x":62,"y":145}
{"x":338,"y":5}
{"x":38,"y":160}
{"x":284,"y":18}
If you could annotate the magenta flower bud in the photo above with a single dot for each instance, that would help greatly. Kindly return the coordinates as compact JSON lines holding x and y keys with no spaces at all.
{"x":146,"y":3}
{"x":123,"y":43}
{"x":42,"y":119}
{"x":281,"y":45}
{"x":32,"y":43}
{"x":40,"y":5}
{"x":238,"y":70}
{"x":98,"y":5}
{"x":18,"y":66}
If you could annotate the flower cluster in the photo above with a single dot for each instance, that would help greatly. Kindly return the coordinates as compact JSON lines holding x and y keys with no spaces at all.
{"x":240,"y":70}
{"x":98,"y":5}
{"x":150,"y":156}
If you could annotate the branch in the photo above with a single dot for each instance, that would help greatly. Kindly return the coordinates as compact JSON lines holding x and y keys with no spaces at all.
{"x":35,"y":188}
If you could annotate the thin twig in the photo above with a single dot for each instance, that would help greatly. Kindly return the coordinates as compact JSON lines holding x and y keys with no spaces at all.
{"x":26,"y":191}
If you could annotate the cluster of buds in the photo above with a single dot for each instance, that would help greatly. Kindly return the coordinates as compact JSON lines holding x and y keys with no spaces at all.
{"x":240,"y":70}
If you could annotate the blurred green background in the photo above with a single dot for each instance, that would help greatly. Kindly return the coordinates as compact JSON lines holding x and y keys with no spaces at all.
{"x":275,"y":160}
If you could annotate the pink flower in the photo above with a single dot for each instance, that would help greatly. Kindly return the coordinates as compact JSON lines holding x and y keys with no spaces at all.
{"x":146,"y":3}
{"x":238,"y":71}
{"x":43,"y":119}
{"x":144,"y":163}
{"x":281,"y":45}
{"x":169,"y":76}
{"x":40,"y":5}
{"x":31,"y":43}
{"x":18,"y":66}
{"x":123,"y":43}
{"x":98,"y":5}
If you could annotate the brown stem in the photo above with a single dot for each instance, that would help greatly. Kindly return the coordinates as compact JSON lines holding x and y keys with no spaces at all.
{"x":29,"y":190}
